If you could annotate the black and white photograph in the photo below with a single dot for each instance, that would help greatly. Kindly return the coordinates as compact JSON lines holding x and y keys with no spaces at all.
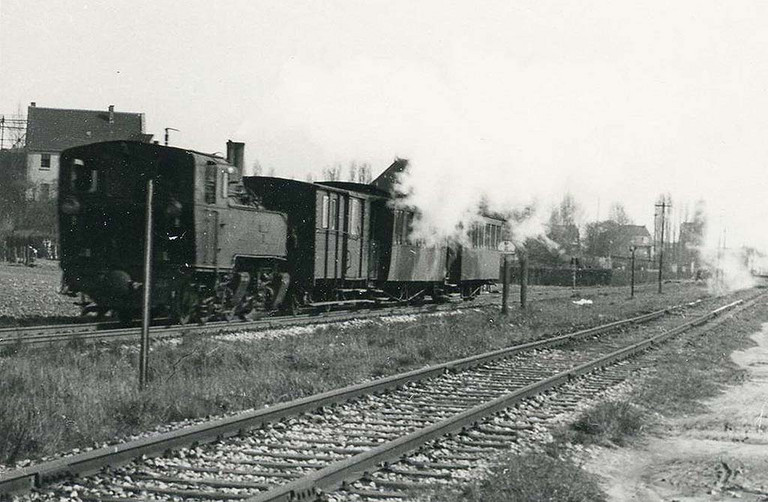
{"x":383,"y":251}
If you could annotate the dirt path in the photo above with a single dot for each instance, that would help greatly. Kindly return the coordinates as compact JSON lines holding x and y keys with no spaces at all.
{"x":718,"y":455}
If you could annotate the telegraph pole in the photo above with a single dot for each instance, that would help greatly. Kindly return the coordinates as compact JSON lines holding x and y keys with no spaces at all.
{"x":523,"y":280}
{"x":632,"y":249}
{"x":663,"y":207}
{"x":147,"y":292}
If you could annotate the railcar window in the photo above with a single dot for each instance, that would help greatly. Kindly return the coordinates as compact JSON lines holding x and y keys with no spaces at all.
{"x":480,"y":236}
{"x":325,"y":209}
{"x":334,"y":212}
{"x":210,"y":183}
{"x":398,"y":226}
{"x":408,"y":227}
{"x":355,"y":219}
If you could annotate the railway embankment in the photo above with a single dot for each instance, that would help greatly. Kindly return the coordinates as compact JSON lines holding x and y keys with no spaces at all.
{"x":691,"y":427}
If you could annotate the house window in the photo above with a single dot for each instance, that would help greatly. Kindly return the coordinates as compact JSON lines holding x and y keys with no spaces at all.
{"x":45,"y":191}
{"x":45,"y":162}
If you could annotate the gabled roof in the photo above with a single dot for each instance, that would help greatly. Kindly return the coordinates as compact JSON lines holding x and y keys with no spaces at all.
{"x":627,"y":234}
{"x":56,"y":129}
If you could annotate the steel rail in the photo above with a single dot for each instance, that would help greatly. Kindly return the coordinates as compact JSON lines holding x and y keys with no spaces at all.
{"x":332,"y":476}
{"x":170,"y":331}
{"x":56,"y":333}
{"x":92,"y":461}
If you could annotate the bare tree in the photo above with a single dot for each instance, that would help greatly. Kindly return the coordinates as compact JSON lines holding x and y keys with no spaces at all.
{"x":364,"y":173}
{"x":618,"y":214}
{"x":568,"y":212}
{"x":332,"y":173}
{"x":256,"y":170}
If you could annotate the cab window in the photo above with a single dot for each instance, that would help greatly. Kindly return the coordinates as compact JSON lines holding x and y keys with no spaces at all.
{"x":83,"y":179}
{"x":210,"y":183}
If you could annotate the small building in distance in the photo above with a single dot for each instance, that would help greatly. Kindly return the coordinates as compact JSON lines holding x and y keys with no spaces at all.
{"x":52,"y":130}
{"x":612,"y":244}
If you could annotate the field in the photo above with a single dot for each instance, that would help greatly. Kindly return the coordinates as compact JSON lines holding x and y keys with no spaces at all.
{"x":29,"y":294}
{"x":55,"y":399}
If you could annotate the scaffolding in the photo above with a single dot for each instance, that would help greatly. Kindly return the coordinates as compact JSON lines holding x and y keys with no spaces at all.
{"x":13,"y":132}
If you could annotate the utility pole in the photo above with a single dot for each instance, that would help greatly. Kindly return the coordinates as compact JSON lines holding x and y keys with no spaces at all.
{"x":523,"y":280}
{"x":663,"y":207}
{"x":147,"y":290}
{"x":632,"y":249}
{"x":505,"y":285}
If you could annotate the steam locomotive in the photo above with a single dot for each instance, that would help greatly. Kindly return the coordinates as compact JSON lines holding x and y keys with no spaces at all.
{"x":225,"y":245}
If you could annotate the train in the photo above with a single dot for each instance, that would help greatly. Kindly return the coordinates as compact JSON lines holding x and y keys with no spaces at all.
{"x":228,"y":246}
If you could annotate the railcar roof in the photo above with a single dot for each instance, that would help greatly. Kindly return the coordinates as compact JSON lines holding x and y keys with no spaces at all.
{"x":341,"y":187}
{"x":148,"y":146}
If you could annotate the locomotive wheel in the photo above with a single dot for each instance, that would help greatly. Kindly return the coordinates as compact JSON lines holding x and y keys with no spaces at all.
{"x":126,"y":315}
{"x":186,"y":309}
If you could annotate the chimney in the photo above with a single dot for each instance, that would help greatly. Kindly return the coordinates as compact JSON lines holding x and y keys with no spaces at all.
{"x":33,"y":104}
{"x":111,"y":114}
{"x":236,"y":154}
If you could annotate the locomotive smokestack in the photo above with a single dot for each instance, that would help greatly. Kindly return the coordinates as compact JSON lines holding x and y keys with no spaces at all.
{"x":236,"y":154}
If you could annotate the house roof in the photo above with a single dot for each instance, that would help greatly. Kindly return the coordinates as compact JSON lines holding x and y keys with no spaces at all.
{"x":626,"y":234}
{"x":56,"y":129}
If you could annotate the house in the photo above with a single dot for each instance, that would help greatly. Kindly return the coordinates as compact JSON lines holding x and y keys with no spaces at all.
{"x":614,"y":243}
{"x":52,"y":130}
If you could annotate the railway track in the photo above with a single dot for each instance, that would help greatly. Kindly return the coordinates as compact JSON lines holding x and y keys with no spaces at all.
{"x":112,"y":331}
{"x":35,"y":335}
{"x":295,"y":450}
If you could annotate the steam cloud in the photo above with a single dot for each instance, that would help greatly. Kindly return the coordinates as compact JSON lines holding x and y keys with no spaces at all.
{"x":482,"y":128}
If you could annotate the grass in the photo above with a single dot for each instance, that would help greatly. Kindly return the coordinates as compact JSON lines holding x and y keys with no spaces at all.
{"x":611,"y":423}
{"x":531,"y":477}
{"x":54,"y":399}
{"x":688,"y":372}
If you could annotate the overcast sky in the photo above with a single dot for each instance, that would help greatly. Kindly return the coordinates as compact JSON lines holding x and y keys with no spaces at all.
{"x":614,"y":101}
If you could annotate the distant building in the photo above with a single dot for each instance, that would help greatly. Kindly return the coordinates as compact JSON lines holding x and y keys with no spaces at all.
{"x":612,"y":243}
{"x":567,"y":238}
{"x":51,"y":130}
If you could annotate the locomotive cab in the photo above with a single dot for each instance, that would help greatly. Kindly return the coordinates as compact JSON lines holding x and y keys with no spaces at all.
{"x":102,"y":210}
{"x":208,"y":239}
